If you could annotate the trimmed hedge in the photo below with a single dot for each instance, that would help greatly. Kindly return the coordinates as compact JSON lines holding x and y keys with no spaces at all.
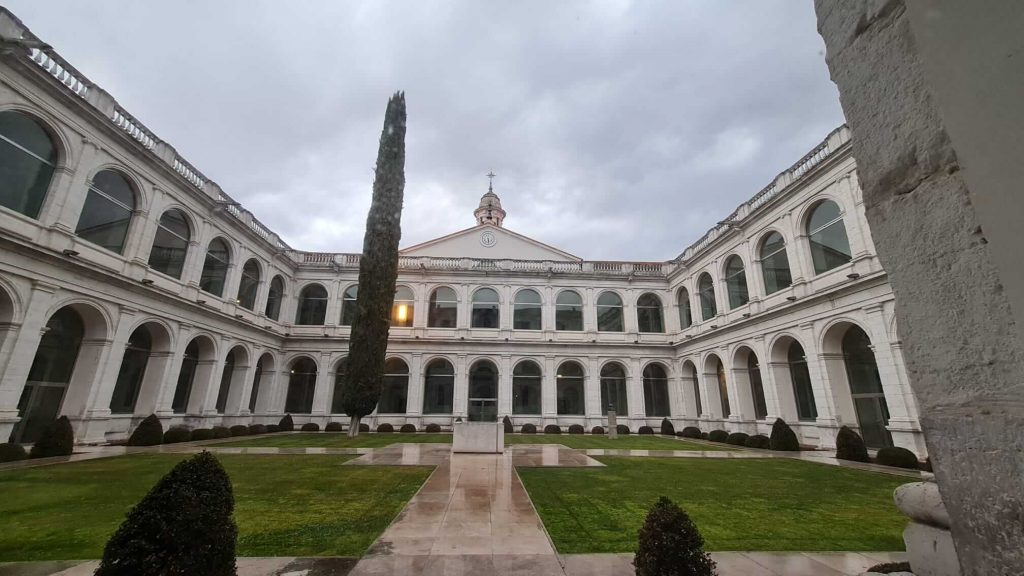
{"x":10,"y":452}
{"x":333,"y":427}
{"x":239,"y":430}
{"x":273,"y":428}
{"x":646,"y":430}
{"x":183,"y":526}
{"x":669,"y":543}
{"x":783,"y":438}
{"x":384,"y":428}
{"x":703,"y":435}
{"x":850,"y":446}
{"x":718,"y":436}
{"x":408,"y":429}
{"x":597,"y":430}
{"x":898,"y":457}
{"x":310,"y":427}
{"x":737,"y":439}
{"x":257,"y":429}
{"x":201,"y":434}
{"x":176,"y":435}
{"x":552,"y":429}
{"x":432,"y":428}
{"x":622,"y":429}
{"x":527,"y":429}
{"x":890,"y":567}
{"x":576,"y":429}
{"x":221,"y":432}
{"x":286,"y":424}
{"x":758,"y":441}
{"x":364,"y":427}
{"x":506,"y":422}
{"x":690,"y":432}
{"x":149,"y":432}
{"x":57,"y":439}
{"x":667,"y":429}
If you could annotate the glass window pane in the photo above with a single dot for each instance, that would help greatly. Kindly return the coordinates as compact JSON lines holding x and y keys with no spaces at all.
{"x":706,"y":293}
{"x":444,"y":308}
{"x":402,"y":309}
{"x":439,"y":388}
{"x":830,"y":247}
{"x":609,"y":313}
{"x":806,"y":409}
{"x":312,"y":306}
{"x":249,"y":284}
{"x":775,"y":264}
{"x":170,"y":245}
{"x":648,"y":314}
{"x":613,"y":389}
{"x":485,"y":309}
{"x":736,"y":282}
{"x":526,"y":388}
{"x":107,"y":211}
{"x":274,"y":297}
{"x":133,"y":369}
{"x":569,"y":389}
{"x":215,"y":268}
{"x":301,"y":386}
{"x":27,"y":159}
{"x":395,"y":388}
{"x":348,"y":305}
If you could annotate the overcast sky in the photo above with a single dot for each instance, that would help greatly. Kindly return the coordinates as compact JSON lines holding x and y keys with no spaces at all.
{"x":618,"y":130}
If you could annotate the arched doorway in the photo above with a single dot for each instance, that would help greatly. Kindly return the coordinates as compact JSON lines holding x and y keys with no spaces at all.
{"x":613,"y":389}
{"x":866,"y":388}
{"x":483,"y":392}
{"x":132,"y":371}
{"x":265,"y":366}
{"x":50,"y":374}
{"x":301,"y":386}
{"x":394,"y":393}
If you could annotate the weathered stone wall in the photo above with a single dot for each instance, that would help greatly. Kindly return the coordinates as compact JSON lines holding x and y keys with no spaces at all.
{"x":956,"y":321}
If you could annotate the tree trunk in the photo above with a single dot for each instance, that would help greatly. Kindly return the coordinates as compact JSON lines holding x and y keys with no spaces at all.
{"x":353,"y":426}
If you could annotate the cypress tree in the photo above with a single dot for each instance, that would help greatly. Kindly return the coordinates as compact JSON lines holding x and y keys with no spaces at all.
{"x":378,"y":270}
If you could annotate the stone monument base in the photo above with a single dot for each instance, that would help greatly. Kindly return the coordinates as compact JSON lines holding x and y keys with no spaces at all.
{"x":478,"y":437}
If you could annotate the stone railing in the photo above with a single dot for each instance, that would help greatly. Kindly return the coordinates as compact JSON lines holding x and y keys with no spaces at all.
{"x":606,"y":268}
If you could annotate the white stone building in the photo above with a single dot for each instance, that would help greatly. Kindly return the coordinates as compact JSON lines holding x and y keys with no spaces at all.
{"x":131,"y":284}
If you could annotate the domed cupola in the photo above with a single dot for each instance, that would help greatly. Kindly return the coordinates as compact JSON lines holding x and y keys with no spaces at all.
{"x":490,"y":211}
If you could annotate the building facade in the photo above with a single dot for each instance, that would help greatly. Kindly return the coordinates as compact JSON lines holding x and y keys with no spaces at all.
{"x":131,"y":284}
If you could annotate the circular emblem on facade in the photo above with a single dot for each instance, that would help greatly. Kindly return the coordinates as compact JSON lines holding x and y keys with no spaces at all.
{"x":488,"y":239}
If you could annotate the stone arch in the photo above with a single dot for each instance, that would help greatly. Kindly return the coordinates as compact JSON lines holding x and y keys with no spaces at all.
{"x":855,"y":380}
{"x":261,"y":392}
{"x":749,"y":373}
{"x":158,"y":365}
{"x":52,"y":127}
{"x":716,"y":385}
{"x":142,"y":197}
{"x":693,"y":404}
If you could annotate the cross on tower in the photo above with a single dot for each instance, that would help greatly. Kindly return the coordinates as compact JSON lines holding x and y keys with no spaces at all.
{"x":490,"y":184}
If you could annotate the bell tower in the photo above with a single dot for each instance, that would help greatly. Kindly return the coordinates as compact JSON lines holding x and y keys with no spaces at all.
{"x":490,"y":211}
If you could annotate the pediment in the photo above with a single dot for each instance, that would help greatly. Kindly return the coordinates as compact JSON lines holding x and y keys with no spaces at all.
{"x":487,"y":241}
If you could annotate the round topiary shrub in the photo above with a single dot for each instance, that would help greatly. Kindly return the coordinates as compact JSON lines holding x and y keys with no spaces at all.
{"x":783,"y":438}
{"x":528,"y":429}
{"x":890,"y":567}
{"x":310,"y":427}
{"x":737,"y":438}
{"x":57,"y":439}
{"x":622,"y":430}
{"x":286,"y":424}
{"x":718,"y":436}
{"x":221,"y":432}
{"x":201,"y":434}
{"x":646,"y":431}
{"x":552,"y":429}
{"x":239,"y":430}
{"x":897,"y":457}
{"x":10,"y":452}
{"x":176,"y":435}
{"x":364,"y":427}
{"x":257,"y":429}
{"x":385,"y":428}
{"x":506,"y":422}
{"x":432,"y":428}
{"x":576,"y":429}
{"x":333,"y":427}
{"x":850,"y":446}
{"x":667,"y":429}
{"x":690,"y":432}
{"x":149,"y":432}
{"x":408,"y":429}
{"x":669,"y":543}
{"x":703,"y":435}
{"x":273,"y":428}
{"x":183,"y":526}
{"x":758,"y":441}
{"x":597,"y":430}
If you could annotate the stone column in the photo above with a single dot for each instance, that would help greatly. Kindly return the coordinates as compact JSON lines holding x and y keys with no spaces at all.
{"x":241,"y":387}
{"x":22,"y":346}
{"x":414,"y":402}
{"x":324,"y":386}
{"x":901,"y":425}
{"x":460,"y":394}
{"x":635,"y":392}
{"x":549,"y":390}
{"x":504,"y":385}
{"x":592,"y":392}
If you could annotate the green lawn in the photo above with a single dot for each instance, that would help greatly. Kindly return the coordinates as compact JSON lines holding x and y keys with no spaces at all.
{"x":736,"y":504}
{"x":335,"y":440}
{"x":284,"y":505}
{"x":631,"y":442}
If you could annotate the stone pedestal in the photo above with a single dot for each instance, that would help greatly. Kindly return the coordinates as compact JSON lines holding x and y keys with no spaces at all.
{"x":478,"y":438}
{"x":929,"y":543}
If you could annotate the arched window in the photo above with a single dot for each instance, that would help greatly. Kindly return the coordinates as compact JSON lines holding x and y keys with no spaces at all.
{"x":27,"y":160}
{"x":215,"y":268}
{"x":348,"y":305}
{"x":170,"y":245}
{"x":613,"y":389}
{"x":186,"y":376}
{"x":736,"y":282}
{"x":438,"y":387}
{"x":50,"y":374}
{"x":526,"y":388}
{"x":685,"y":312}
{"x":394,"y":392}
{"x":249,"y":284}
{"x":225,"y":382}
{"x":690,"y":369}
{"x":485,"y":309}
{"x":569,"y":389}
{"x":803,"y":392}
{"x":257,"y":380}
{"x":775,"y":264}
{"x":444,"y":308}
{"x":648,"y":314}
{"x":274,"y":297}
{"x":655,"y":391}
{"x":723,"y":389}
{"x":706,"y":293}
{"x":826,"y":234}
{"x":340,"y":376}
{"x":402,"y":308}
{"x":133,"y":369}
{"x":526,"y":313}
{"x":107,"y":212}
{"x":312,"y":306}
{"x":569,"y":311}
{"x":301,"y":387}
{"x":756,"y":387}
{"x":483,"y":392}
{"x":609,"y":313}
{"x":866,"y":388}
